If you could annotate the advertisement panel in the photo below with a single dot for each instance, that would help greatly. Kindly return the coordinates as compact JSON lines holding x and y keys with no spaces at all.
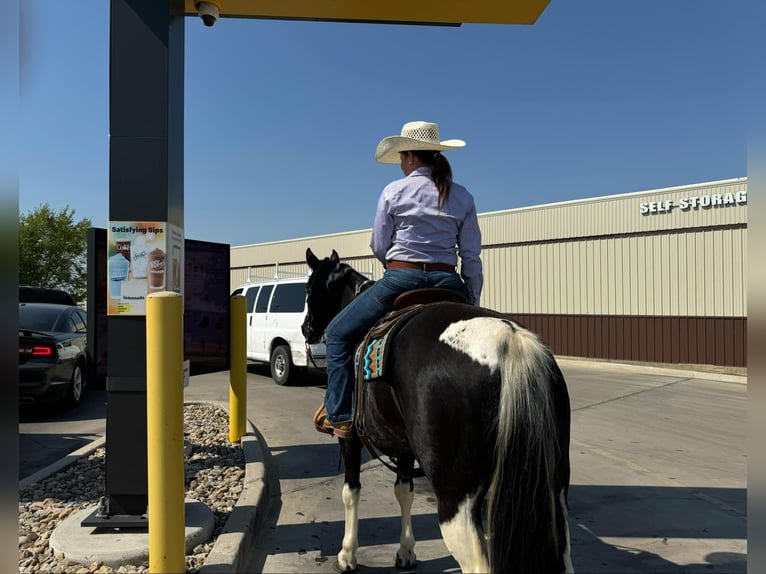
{"x":143,"y":257}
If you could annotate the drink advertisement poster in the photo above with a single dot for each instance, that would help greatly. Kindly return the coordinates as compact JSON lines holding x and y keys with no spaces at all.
{"x":143,"y":257}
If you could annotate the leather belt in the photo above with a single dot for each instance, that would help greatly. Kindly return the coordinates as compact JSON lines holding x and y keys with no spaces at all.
{"x":422,"y":266}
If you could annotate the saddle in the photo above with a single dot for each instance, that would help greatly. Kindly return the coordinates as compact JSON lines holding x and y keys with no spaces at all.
{"x":370,"y":355}
{"x":370,"y":358}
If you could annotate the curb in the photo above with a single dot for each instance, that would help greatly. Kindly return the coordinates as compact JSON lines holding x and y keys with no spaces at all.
{"x":234,"y":545}
{"x":62,"y":463}
{"x":684,"y":373}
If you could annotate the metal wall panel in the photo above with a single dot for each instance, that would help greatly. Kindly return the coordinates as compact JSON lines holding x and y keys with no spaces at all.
{"x":699,"y":273}
{"x":687,"y":340}
{"x":612,"y":215}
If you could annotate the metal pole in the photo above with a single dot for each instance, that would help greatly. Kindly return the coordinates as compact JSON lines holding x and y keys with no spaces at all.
{"x":165,"y":448}
{"x":237,"y":368}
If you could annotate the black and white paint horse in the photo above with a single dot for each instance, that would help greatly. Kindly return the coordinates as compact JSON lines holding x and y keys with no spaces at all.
{"x":480,"y":403}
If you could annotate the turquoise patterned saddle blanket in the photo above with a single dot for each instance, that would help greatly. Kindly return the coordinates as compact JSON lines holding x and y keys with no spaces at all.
{"x":371,"y":354}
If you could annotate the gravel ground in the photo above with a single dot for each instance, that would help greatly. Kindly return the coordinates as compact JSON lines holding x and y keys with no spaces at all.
{"x":214,"y":475}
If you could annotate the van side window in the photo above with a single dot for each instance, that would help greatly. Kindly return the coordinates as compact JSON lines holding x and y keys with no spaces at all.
{"x":263,"y":300}
{"x":289,"y":298}
{"x":250,"y":296}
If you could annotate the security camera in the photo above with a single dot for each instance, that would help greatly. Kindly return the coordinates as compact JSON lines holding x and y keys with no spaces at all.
{"x":209,"y":12}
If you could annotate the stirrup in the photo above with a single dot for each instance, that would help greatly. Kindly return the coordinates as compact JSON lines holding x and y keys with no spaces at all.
{"x":322,"y":424}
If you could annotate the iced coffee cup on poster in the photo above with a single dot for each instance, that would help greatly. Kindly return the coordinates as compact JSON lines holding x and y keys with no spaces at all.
{"x":157,"y":269}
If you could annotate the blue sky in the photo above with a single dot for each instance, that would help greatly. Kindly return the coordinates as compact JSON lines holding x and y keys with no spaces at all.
{"x":282,"y":118}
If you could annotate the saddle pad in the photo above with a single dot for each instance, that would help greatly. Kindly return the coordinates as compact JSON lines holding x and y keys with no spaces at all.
{"x":372,"y":355}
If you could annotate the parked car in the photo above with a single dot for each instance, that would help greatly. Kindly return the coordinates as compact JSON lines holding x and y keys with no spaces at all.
{"x":275,"y":313}
{"x":52,"y":353}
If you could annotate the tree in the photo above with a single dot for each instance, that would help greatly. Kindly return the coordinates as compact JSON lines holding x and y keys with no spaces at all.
{"x":52,"y":250}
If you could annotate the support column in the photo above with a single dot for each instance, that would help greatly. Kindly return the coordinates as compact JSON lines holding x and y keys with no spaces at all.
{"x":146,"y":111}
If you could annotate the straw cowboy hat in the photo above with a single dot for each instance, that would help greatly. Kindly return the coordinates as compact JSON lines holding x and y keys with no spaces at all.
{"x":415,"y":136}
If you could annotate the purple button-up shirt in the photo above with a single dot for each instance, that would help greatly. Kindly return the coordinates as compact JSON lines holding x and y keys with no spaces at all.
{"x":409,"y":226}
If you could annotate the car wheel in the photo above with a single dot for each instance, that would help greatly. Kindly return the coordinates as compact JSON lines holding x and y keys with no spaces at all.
{"x":76,"y":387}
{"x":282,"y":368}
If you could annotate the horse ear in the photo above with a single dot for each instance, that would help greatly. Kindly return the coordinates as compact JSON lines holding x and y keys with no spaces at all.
{"x":311,"y":259}
{"x":334,"y":256}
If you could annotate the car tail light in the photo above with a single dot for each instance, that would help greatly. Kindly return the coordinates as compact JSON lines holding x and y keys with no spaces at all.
{"x":36,"y":350}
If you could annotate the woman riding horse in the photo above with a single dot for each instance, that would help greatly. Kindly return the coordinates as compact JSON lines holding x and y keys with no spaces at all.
{"x":480,"y":403}
{"x":422,"y":223}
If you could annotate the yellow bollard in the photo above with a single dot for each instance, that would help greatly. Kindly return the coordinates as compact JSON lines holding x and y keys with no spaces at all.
{"x":165,"y":448}
{"x":237,"y":368}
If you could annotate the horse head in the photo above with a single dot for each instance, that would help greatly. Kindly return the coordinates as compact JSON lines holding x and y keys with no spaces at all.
{"x":324,"y":293}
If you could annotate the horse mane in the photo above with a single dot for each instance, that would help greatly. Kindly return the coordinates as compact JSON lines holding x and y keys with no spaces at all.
{"x":336,"y":284}
{"x":354,"y":281}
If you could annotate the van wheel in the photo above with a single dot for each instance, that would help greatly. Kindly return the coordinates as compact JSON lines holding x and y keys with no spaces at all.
{"x":282,"y":368}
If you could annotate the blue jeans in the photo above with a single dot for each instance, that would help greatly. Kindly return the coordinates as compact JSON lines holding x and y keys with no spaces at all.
{"x":348,"y":327}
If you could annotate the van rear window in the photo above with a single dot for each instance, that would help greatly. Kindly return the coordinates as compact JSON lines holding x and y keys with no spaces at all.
{"x":289,"y":298}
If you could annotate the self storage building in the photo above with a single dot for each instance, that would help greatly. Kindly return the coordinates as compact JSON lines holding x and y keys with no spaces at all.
{"x":656,"y":276}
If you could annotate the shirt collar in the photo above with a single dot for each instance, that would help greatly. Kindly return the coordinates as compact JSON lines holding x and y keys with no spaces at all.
{"x":423,"y":170}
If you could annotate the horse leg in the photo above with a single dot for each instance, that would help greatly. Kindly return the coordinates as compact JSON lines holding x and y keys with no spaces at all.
{"x":568,"y":567}
{"x":462,"y":531}
{"x":351,"y":450}
{"x":404,"y":490}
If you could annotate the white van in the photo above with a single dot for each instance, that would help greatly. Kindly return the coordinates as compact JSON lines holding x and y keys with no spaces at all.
{"x":275,"y":313}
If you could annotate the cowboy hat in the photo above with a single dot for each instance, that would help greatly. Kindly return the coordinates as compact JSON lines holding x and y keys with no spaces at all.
{"x":415,"y":136}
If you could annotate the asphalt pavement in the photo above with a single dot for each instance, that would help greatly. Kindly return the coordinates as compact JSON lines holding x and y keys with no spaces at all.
{"x":659,"y":470}
{"x":49,"y":433}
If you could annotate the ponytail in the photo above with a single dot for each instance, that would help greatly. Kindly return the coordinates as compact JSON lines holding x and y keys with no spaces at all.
{"x":441,"y":172}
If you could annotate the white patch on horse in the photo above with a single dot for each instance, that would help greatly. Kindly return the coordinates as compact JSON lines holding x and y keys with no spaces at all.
{"x":405,"y":555}
{"x":347,"y":554}
{"x":568,"y":566}
{"x":477,"y":338}
{"x":464,"y":541}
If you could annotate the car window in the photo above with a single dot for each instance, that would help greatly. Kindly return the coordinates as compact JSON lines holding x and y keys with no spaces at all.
{"x":68,"y":326}
{"x":250,"y":296}
{"x":78,"y":322}
{"x":38,"y":318}
{"x":289,"y":298}
{"x":263,"y":299}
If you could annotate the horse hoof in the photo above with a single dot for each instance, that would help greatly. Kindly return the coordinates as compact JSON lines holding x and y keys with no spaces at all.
{"x":410,"y":562}
{"x":338,"y":568}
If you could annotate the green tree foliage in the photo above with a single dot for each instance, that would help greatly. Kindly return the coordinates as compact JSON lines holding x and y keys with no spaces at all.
{"x":53,"y":249}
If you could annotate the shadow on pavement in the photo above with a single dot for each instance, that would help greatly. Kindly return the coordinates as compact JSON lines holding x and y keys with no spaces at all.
{"x":306,"y":377}
{"x":666,"y":514}
{"x":93,"y":406}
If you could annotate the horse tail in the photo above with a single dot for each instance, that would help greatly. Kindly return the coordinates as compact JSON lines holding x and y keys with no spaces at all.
{"x":526,"y":514}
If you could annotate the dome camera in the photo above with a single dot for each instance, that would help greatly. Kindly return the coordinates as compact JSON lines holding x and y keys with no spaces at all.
{"x":209,"y":12}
